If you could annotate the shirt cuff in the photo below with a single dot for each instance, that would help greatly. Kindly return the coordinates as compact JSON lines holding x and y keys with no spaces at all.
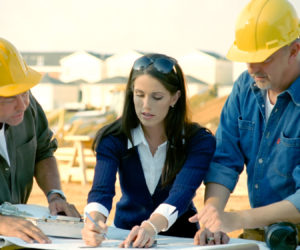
{"x":295,"y":199}
{"x":168,"y":211}
{"x":222,"y":175}
{"x":95,"y":206}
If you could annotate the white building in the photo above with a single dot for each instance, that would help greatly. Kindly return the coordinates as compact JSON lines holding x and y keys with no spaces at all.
{"x":107,"y":94}
{"x":195,"y":86}
{"x":53,"y":94}
{"x":207,"y":66}
{"x":120,"y":64}
{"x":81,"y":65}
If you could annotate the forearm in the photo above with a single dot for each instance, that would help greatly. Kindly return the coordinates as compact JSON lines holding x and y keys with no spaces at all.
{"x":264,"y":216}
{"x":159,"y":221}
{"x":216,"y":195}
{"x":47,"y":175}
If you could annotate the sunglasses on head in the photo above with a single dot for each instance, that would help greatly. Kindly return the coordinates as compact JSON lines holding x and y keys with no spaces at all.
{"x":161,"y":64}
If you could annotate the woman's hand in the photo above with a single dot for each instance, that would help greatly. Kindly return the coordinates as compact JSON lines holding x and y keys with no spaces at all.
{"x":140,"y":236}
{"x":92,"y":234}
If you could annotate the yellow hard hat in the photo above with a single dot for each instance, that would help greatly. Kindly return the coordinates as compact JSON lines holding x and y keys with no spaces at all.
{"x":15,"y":76}
{"x":262,"y":28}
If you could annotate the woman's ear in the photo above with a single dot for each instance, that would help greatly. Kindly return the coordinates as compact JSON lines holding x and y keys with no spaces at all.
{"x":175,"y":98}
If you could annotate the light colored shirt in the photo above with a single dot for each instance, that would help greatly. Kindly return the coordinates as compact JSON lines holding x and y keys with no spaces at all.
{"x":269,"y":105}
{"x":3,"y":147}
{"x":152,"y":168}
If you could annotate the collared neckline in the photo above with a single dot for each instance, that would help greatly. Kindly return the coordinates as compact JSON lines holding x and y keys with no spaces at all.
{"x":138,"y":138}
{"x":294,"y":91}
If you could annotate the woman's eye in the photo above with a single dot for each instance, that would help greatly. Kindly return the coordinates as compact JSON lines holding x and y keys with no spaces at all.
{"x":157,"y":98}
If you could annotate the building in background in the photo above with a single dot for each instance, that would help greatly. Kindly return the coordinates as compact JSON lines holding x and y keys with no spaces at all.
{"x":52,"y":93}
{"x":81,"y":79}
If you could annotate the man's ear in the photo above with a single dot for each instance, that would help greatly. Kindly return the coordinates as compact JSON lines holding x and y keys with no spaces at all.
{"x":294,"y":50}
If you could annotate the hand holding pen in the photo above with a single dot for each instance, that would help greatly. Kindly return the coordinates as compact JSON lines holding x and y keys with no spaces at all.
{"x":93,"y":233}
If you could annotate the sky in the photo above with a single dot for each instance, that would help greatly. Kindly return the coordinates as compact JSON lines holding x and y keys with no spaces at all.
{"x":111,"y":26}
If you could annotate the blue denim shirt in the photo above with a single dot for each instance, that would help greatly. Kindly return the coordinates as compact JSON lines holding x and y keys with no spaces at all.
{"x":270,"y":150}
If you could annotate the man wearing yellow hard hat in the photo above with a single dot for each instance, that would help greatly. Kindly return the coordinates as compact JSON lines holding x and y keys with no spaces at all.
{"x":259,"y":126}
{"x":26,"y":146}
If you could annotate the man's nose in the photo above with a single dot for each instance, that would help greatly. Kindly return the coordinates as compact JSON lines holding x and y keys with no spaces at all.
{"x":21,"y":102}
{"x":253,"y":67}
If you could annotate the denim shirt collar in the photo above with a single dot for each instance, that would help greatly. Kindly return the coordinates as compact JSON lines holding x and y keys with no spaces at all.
{"x":293,"y":91}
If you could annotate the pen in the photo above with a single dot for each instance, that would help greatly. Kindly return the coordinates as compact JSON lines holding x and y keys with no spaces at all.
{"x":94,"y":222}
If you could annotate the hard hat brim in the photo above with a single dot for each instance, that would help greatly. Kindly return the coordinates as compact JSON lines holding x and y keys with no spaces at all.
{"x":32,"y":78}
{"x":235,"y":54}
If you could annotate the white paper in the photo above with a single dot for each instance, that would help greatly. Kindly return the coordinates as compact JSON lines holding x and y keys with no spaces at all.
{"x":116,"y":236}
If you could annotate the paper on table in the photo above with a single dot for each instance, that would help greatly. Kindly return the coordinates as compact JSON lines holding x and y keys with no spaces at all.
{"x":117,"y":235}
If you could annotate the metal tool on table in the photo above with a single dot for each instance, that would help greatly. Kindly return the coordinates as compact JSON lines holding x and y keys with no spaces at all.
{"x":58,"y":225}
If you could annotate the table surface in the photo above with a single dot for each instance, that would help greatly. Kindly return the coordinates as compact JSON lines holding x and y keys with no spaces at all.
{"x":116,"y":236}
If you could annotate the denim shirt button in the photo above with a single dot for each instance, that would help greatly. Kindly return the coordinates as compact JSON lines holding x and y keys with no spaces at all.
{"x":276,"y":110}
{"x":256,"y":186}
{"x":263,"y":105}
{"x":260,"y":160}
{"x":6,"y":169}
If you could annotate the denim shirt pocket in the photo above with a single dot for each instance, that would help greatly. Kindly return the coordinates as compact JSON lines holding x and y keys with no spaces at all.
{"x":246,"y":130}
{"x":288,"y":152}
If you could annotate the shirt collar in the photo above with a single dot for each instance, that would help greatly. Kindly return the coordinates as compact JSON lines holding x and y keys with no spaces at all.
{"x":137,"y":137}
{"x":3,"y":126}
{"x":294,"y":91}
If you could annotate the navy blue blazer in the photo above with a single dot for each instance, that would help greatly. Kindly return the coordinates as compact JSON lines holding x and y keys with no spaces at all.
{"x":136,"y":203}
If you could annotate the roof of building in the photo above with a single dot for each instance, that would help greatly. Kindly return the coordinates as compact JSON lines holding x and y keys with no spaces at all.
{"x":48,"y":79}
{"x":44,"y":58}
{"x":53,"y":58}
{"x":116,"y":79}
{"x":191,"y":79}
{"x":215,"y":55}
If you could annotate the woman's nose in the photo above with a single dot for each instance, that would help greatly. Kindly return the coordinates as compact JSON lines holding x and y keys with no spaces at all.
{"x":146,"y":102}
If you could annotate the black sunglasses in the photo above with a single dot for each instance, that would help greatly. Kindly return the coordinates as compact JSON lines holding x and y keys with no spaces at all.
{"x":161,"y":64}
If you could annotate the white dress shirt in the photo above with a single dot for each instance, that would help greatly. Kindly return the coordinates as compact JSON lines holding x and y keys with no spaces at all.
{"x":152,"y":168}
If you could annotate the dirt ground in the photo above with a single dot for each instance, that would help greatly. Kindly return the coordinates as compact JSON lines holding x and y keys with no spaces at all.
{"x":77,"y":195}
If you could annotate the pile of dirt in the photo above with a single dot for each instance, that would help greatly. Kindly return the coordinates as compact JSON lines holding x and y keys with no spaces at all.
{"x":209,"y":114}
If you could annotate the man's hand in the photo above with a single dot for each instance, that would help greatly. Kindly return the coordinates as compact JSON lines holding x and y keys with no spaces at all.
{"x":206,"y":237}
{"x":58,"y":205}
{"x":216,"y":221}
{"x":23,"y":229}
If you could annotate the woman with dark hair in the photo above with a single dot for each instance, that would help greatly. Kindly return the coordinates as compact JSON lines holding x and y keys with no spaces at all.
{"x":160,"y":155}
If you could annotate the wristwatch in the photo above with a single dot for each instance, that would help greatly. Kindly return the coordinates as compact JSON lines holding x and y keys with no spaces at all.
{"x":56,"y":191}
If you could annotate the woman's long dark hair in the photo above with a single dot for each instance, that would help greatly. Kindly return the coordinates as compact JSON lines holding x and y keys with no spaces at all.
{"x":178,"y":126}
